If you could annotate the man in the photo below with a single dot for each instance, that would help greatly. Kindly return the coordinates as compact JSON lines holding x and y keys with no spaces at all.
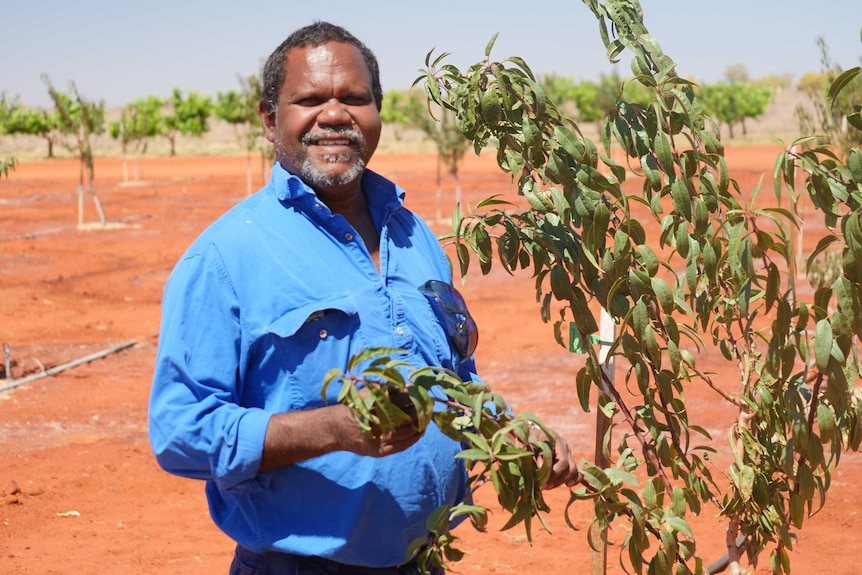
{"x":320,"y":264}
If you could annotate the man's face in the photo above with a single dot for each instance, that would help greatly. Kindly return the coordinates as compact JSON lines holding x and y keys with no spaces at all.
{"x":327,"y":124}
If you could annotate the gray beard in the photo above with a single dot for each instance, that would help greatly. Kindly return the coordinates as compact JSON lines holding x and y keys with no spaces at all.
{"x":314,"y":177}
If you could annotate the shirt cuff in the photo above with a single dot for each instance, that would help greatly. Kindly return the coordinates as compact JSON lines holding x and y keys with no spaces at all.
{"x":242,"y":477}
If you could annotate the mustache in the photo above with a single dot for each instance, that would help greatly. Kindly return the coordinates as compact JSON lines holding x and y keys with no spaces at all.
{"x":352,"y":135}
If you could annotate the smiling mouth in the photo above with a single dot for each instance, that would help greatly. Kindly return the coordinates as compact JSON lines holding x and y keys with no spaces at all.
{"x":332,"y":143}
{"x":334,"y":139}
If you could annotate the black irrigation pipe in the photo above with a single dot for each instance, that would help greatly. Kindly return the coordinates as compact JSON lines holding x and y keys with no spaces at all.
{"x":76,"y":362}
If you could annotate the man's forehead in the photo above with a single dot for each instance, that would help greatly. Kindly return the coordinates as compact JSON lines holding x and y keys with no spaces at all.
{"x":319,"y":54}
{"x":311,"y":61}
{"x":323,"y":53}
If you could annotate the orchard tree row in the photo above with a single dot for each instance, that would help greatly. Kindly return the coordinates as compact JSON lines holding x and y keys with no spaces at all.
{"x":188,"y":113}
{"x":74,"y":119}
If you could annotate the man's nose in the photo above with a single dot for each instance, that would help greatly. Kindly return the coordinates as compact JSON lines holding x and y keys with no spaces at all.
{"x":334,"y":112}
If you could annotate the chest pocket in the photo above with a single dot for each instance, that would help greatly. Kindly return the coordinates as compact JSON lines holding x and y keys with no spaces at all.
{"x":311,"y":340}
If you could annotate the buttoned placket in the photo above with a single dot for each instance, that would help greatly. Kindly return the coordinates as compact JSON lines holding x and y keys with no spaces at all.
{"x":341,"y":229}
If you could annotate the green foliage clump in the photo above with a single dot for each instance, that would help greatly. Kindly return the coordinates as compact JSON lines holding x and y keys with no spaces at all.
{"x":34,"y":122}
{"x":733,"y":102}
{"x":240,"y":109}
{"x":410,"y":109}
{"x":139,"y":123}
{"x":187,"y":115}
{"x":79,"y":119}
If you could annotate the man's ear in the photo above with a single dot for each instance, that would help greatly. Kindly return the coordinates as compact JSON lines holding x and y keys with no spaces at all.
{"x":267,"y":120}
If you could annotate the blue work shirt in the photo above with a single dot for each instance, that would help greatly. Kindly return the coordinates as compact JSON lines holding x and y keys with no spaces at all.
{"x":264,"y":303}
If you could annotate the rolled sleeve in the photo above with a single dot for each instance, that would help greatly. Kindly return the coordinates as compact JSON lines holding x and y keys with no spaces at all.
{"x":197,"y":426}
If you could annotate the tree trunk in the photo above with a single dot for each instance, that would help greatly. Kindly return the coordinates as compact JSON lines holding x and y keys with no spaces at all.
{"x":248,"y":174}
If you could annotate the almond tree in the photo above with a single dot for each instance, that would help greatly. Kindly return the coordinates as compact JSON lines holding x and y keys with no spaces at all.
{"x":239,"y":108}
{"x":139,"y":123}
{"x":412,"y":110}
{"x":713,"y":277}
{"x":80,"y":119}
{"x":189,"y":115}
{"x":733,"y":102}
{"x":35,"y":122}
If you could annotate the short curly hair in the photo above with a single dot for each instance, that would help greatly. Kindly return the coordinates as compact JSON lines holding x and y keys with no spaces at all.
{"x":317,"y":34}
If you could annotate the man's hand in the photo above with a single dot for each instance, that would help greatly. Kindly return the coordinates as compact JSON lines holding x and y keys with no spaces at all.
{"x":564,"y":470}
{"x":395,"y":441}
{"x":378,"y":444}
{"x":299,"y":435}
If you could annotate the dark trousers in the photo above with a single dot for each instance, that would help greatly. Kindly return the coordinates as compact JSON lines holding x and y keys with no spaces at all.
{"x":247,"y":562}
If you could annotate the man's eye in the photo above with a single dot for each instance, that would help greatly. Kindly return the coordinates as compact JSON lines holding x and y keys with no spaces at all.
{"x":310,"y":102}
{"x":356,"y":101}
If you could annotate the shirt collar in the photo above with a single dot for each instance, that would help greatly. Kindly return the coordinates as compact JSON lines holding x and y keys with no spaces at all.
{"x":381,"y":193}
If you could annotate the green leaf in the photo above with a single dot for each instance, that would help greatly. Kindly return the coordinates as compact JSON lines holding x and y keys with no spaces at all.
{"x":474,"y":454}
{"x":841,"y":81}
{"x":664,"y":294}
{"x":681,"y":198}
{"x":746,"y":482}
{"x":823,"y":344}
{"x":680,"y":524}
{"x":854,"y":164}
{"x":490,"y":44}
{"x":677,"y":504}
{"x":663,"y":152}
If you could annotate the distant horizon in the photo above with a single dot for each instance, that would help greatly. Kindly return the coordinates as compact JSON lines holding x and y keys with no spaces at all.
{"x":118,"y":52}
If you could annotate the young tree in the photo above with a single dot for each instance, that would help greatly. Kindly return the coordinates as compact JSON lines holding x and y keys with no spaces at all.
{"x":139,"y":123}
{"x":712,"y":277}
{"x":80,"y":119}
{"x":560,"y":89}
{"x":393,"y":110}
{"x":239,"y":108}
{"x":412,"y":109}
{"x":35,"y":122}
{"x":189,"y":115}
{"x":733,"y":102}
{"x":722,"y":102}
{"x":755,"y":97}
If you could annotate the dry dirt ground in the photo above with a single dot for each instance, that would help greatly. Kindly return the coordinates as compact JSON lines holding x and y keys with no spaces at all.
{"x":81,"y":492}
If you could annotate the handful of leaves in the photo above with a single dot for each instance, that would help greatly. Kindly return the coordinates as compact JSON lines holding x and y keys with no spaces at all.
{"x":498,"y":446}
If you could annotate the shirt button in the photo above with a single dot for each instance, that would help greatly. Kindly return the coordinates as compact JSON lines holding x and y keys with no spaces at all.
{"x":317,"y":206}
{"x":323,"y":334}
{"x":400,"y":330}
{"x":348,"y":237}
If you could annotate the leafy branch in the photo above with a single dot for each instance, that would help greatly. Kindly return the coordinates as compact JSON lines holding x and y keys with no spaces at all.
{"x":385,"y":392}
{"x":715,"y":275}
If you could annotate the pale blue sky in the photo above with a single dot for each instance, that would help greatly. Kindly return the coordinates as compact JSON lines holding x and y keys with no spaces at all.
{"x":116,"y":50}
